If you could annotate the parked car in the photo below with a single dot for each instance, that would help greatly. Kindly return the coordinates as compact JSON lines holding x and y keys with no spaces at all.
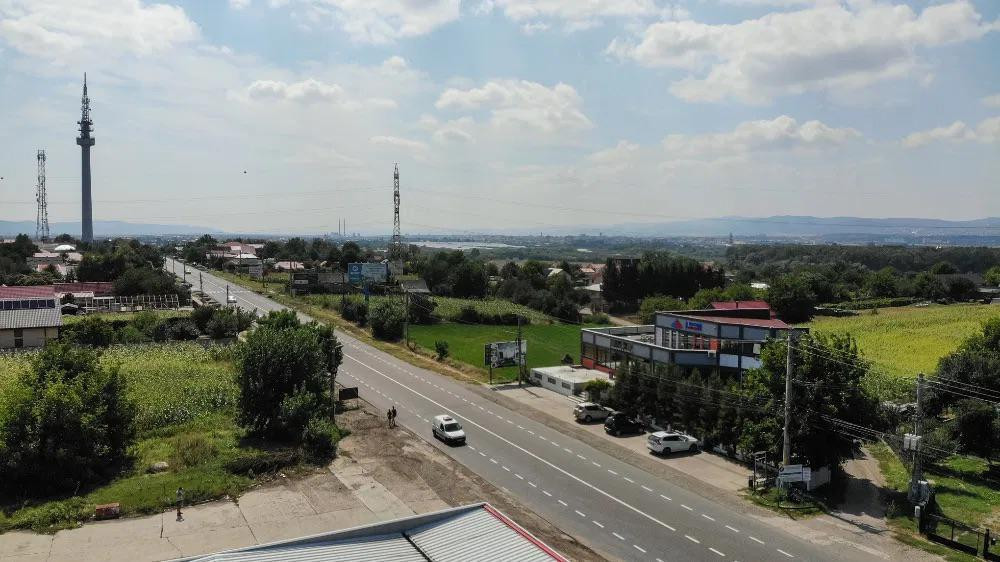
{"x":589,"y":411}
{"x":619,"y":423}
{"x":666,"y":442}
{"x":445,"y":428}
{"x":231,"y":299}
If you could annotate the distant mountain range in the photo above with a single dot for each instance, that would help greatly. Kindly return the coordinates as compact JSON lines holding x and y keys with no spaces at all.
{"x":105,"y":228}
{"x":831,"y":229}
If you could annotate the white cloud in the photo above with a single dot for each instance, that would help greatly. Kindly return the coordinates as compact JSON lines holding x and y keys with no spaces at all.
{"x":988,"y":131}
{"x":780,"y":133}
{"x":376,"y":21}
{"x":455,"y":131}
{"x":574,"y":14}
{"x":239,"y":4}
{"x":56,"y":29}
{"x":309,"y":90}
{"x":398,"y":142}
{"x":830,"y":46}
{"x":991,"y":101}
{"x":395,"y":64}
{"x":521,"y":103}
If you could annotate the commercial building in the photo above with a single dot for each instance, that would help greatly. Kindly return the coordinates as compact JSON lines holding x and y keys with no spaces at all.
{"x":474,"y":532}
{"x":29,"y":316}
{"x":727,"y":337}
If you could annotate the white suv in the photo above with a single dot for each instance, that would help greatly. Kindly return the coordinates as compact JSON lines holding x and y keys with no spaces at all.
{"x":447,"y":429}
{"x":588,"y":412}
{"x":665,"y":442}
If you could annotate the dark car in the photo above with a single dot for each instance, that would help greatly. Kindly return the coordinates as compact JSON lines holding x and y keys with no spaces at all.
{"x":619,"y":423}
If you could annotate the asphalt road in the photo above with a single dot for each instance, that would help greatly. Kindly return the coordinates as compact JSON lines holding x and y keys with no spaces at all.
{"x":615,"y":508}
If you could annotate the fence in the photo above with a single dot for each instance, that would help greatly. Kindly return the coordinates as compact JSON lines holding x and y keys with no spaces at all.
{"x":953,"y":534}
{"x":128,"y":304}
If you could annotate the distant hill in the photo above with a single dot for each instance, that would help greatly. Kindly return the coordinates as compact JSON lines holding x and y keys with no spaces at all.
{"x":795,"y":226}
{"x":105,"y":228}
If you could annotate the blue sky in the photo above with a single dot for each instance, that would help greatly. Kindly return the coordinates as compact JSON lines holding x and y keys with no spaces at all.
{"x":597,"y":112}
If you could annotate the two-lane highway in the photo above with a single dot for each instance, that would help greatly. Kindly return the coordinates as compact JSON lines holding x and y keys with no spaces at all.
{"x":619,"y":510}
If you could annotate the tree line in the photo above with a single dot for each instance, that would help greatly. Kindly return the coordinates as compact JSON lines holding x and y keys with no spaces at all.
{"x":628,"y":280}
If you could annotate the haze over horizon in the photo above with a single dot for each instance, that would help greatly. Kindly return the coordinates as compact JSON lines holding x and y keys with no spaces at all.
{"x":287,"y":115}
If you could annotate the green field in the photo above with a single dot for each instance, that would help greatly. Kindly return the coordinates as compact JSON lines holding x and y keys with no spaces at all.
{"x":186,"y":400}
{"x":124,"y":316}
{"x":547,"y":343}
{"x":910,"y":339}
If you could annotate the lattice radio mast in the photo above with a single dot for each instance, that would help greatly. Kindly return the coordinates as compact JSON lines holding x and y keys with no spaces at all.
{"x":42,"y":217}
{"x":396,"y":247}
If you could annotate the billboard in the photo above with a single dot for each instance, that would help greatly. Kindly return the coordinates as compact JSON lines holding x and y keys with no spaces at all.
{"x":504,"y":353}
{"x":367,"y":272}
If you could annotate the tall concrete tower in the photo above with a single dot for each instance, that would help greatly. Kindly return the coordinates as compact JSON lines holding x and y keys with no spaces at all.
{"x":86,"y":141}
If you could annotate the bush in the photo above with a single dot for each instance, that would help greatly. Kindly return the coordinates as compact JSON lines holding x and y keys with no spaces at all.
{"x":130,"y":335}
{"x":387,"y":318}
{"x":596,"y":388}
{"x":319,"y":438}
{"x":567,"y":359}
{"x":91,"y":331}
{"x":599,"y":318}
{"x":201,"y":316}
{"x":264,"y":462}
{"x":190,"y":449}
{"x":228,"y":322}
{"x":441,"y":349}
{"x":67,"y":423}
{"x":468,"y":315}
{"x":182,"y":329}
{"x":296,"y":411}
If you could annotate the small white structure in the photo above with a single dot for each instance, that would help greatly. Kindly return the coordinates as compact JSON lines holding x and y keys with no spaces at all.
{"x":565,"y":379}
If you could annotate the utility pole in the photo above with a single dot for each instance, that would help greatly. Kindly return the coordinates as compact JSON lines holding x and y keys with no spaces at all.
{"x":227,"y":294}
{"x":406,"y":319}
{"x":520,"y":359}
{"x":786,"y":451}
{"x":918,"y":421}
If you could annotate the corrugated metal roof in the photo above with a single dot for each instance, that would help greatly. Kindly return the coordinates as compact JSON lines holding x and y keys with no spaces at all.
{"x":30,"y":318}
{"x":476,"y":535}
{"x":26,"y":292}
{"x":380,"y":548}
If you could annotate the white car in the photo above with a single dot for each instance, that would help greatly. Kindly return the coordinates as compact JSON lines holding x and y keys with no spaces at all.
{"x":666,"y":442}
{"x":187,"y":270}
{"x":231,"y":299}
{"x":447,"y":429}
{"x":589,"y":411}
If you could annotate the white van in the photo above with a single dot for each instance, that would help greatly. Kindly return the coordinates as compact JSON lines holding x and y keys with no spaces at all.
{"x":447,"y":429}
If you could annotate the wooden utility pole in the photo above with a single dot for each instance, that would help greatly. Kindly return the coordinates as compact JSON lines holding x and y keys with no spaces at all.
{"x":918,"y":422}
{"x":518,"y":354}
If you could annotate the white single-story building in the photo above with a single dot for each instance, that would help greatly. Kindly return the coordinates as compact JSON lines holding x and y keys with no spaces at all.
{"x":565,"y":379}
{"x":29,"y":316}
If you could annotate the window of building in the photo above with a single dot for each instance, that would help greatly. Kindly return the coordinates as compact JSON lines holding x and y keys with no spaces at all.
{"x":565,"y":385}
{"x":588,"y":350}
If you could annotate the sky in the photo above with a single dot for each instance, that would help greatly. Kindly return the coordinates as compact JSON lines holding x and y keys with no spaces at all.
{"x":289,"y":115}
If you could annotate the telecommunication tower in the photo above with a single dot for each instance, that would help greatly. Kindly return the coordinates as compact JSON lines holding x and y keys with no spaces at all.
{"x":396,"y":247}
{"x":42,"y":217}
{"x":86,"y":141}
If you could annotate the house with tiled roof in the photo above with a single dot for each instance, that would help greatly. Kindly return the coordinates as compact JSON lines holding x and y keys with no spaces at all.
{"x":29,"y":316}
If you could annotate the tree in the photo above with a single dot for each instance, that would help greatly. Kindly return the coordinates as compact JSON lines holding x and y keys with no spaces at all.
{"x":882,"y":284}
{"x":280,"y":319}
{"x":441,"y":349}
{"x":421,"y":309}
{"x":596,"y":388}
{"x":961,"y":288}
{"x":943,"y":268}
{"x":651,"y":305}
{"x":510,"y":270}
{"x":281,"y":374}
{"x":977,"y":429}
{"x":927,"y":286}
{"x":791,"y":298}
{"x":68,"y":423}
{"x":387,"y":317}
{"x":992,"y":276}
{"x":90,"y":331}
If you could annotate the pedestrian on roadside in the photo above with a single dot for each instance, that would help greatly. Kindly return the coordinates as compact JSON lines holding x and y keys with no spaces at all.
{"x":394,"y":414}
{"x":180,"y":502}
{"x":388,"y":417}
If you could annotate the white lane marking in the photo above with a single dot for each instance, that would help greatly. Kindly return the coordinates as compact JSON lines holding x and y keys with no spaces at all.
{"x":755,"y":539}
{"x":595,"y":464}
{"x":522,"y":449}
{"x":692,"y":539}
{"x":532,"y":484}
{"x":707,"y":517}
{"x":669,"y":527}
{"x":612,"y":472}
{"x":716,"y":551}
{"x":519,"y":477}
{"x":647,"y":488}
{"x":482,"y":454}
{"x":580,"y":513}
{"x":581,"y":456}
{"x":598,"y":523}
{"x":686,"y":507}
{"x":471,"y":448}
{"x":529,"y":431}
{"x":785,"y":553}
{"x":546,"y":493}
{"x":520,"y":427}
{"x":733,"y":529}
{"x":629,"y":480}
{"x":505,"y":468}
{"x":666,"y":498}
{"x":494,"y":461}
{"x":564,"y":504}
{"x":621,"y":538}
{"x":567,"y":450}
{"x":639,"y":548}
{"x":512,"y":423}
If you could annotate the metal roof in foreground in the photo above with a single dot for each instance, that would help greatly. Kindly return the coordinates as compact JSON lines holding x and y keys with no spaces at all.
{"x":475,"y":532}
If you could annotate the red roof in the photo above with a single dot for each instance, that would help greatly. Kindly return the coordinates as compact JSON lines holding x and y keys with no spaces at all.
{"x":730,"y":305}
{"x":28,"y":292}
{"x":759,"y":322}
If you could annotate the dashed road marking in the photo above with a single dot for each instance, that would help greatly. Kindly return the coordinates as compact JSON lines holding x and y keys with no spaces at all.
{"x":581,"y":456}
{"x":629,"y":480}
{"x":621,"y":538}
{"x":686,"y":507}
{"x":785,"y":553}
{"x":692,"y":539}
{"x":733,"y":529}
{"x":564,"y":504}
{"x":505,"y":468}
{"x":595,"y":464}
{"x":519,"y":477}
{"x":519,"y":427}
{"x":639,"y":548}
{"x":494,"y":461}
{"x":546,"y":492}
{"x":647,"y":488}
{"x":567,"y":450}
{"x":471,"y":448}
{"x":580,"y":513}
{"x":755,"y":539}
{"x":598,"y":523}
{"x":612,"y":472}
{"x":482,"y":454}
{"x":716,"y":551}
{"x":532,"y":484}
{"x":708,"y":517}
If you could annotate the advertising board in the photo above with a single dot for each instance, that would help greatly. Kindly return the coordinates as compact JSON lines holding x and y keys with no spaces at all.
{"x":367,"y":272}
{"x":504,"y":353}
